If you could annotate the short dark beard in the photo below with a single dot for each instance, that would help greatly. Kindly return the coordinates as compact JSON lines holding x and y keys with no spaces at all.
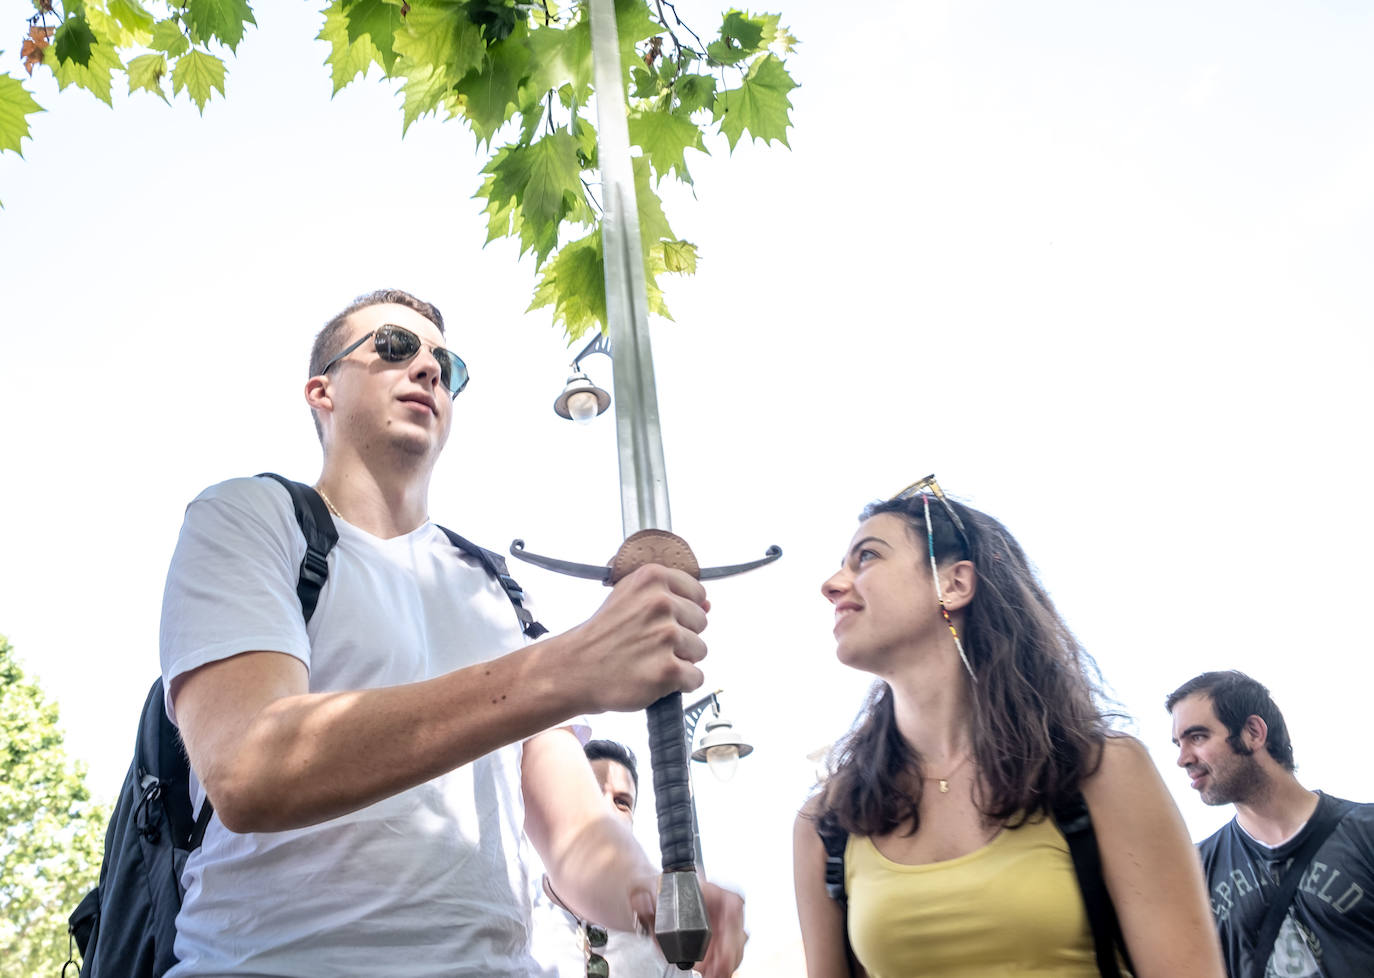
{"x":1243,"y":784}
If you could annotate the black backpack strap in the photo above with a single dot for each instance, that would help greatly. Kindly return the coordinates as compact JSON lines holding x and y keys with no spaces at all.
{"x":495,"y":565}
{"x":169,"y":766}
{"x":1071,"y":815}
{"x":834,"y":839}
{"x":1324,"y":822}
{"x":317,"y":526}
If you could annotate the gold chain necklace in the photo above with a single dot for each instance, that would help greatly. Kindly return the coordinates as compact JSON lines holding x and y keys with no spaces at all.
{"x":332,"y":508}
{"x":943,"y":782}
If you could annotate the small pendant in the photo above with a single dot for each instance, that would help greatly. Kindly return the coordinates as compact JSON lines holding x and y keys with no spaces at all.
{"x":944,"y":786}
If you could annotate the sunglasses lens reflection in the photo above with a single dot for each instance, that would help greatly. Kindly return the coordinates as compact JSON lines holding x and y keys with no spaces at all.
{"x":395,"y":344}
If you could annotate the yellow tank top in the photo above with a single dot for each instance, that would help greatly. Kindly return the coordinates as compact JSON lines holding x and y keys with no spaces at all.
{"x":1010,"y":908}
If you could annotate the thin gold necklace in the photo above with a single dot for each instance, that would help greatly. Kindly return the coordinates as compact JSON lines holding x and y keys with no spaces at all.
{"x":332,"y":508}
{"x":943,"y":782}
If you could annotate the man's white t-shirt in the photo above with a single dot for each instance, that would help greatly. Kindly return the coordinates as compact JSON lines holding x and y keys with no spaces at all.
{"x":433,"y":881}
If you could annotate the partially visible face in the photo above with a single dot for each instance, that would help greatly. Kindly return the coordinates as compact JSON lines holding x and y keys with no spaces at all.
{"x":883,"y":596}
{"x":617,"y":786}
{"x":1219,"y":774}
{"x":404,"y":403}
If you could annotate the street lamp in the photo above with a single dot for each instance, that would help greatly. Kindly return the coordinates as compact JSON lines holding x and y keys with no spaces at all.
{"x":582,"y":400}
{"x":721,"y":748}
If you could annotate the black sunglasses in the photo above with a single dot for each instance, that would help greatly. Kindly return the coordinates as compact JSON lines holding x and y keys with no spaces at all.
{"x":597,"y":966}
{"x":396,"y":344}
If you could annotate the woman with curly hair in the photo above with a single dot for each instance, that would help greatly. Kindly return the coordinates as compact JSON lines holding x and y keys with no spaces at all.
{"x":944,"y":804}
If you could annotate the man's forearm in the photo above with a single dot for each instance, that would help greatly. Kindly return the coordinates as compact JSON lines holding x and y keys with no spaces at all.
{"x":250,"y":729}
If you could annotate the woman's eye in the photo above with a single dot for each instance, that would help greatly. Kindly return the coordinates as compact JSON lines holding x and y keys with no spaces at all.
{"x":866,"y":555}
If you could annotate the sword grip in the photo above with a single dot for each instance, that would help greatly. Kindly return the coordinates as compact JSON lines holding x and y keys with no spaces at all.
{"x":681,"y":923}
{"x":672,"y":792}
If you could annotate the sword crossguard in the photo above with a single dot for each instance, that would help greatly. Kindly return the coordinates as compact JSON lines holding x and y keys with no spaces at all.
{"x":644,"y":547}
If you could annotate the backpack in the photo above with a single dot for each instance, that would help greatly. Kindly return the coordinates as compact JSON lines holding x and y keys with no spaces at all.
{"x":1074,"y":822}
{"x":125,"y":926}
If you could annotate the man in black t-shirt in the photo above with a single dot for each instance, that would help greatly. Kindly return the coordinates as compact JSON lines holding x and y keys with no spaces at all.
{"x":1233,"y":743}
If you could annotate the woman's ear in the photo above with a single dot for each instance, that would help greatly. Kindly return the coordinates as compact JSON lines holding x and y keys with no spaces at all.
{"x":958,"y":583}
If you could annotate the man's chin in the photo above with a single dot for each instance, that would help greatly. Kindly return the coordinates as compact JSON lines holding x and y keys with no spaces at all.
{"x":1213,"y":798}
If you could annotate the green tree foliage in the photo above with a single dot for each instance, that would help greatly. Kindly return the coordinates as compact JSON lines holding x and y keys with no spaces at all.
{"x":51,"y":834}
{"x":519,"y":74}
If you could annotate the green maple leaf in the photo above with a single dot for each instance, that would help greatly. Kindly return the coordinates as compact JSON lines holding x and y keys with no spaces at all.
{"x":653,"y":223}
{"x":759,"y":105}
{"x":16,"y":105}
{"x":200,"y":74}
{"x":169,"y":38}
{"x":665,"y":138}
{"x":774,"y":34}
{"x":679,"y":257}
{"x":124,"y":23}
{"x":224,"y":20}
{"x":695,"y":92}
{"x":574,"y":284}
{"x":73,"y":41}
{"x":496,"y":18}
{"x":562,"y":57}
{"x":426,"y":90}
{"x":347,"y":59}
{"x":633,"y":24}
{"x":94,"y":76}
{"x":376,"y":20}
{"x":146,"y":73}
{"x":491,"y":95}
{"x":438,"y":34}
{"x":740,"y":37}
{"x":644,"y":83}
{"x":503,"y":216}
{"x":545,"y":179}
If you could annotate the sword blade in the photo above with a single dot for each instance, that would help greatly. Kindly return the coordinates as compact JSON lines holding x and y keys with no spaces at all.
{"x":643,"y":477}
{"x":681,"y":923}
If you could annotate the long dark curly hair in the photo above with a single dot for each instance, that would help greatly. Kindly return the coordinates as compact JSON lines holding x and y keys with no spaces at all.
{"x":1038,"y":729}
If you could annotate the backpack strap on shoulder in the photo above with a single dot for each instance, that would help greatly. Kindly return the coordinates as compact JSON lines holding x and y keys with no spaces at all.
{"x":1076,"y":824}
{"x":1323,"y":822}
{"x":834,"y":838}
{"x":495,"y":565}
{"x":317,"y":526}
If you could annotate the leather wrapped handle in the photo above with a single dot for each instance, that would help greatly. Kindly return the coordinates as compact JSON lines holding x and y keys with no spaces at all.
{"x":682,"y":926}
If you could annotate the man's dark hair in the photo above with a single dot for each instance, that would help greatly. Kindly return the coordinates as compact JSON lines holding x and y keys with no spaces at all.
{"x":332,"y":338}
{"x":609,"y":750}
{"x":1236,"y":698}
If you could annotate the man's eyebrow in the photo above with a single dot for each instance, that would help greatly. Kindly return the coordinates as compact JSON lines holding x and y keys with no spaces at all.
{"x":1195,"y":728}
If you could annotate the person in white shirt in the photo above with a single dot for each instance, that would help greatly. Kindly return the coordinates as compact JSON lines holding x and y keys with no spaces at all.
{"x":377,"y":773}
{"x":568,"y":946}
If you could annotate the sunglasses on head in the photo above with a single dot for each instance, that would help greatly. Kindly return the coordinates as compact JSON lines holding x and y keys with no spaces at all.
{"x":396,"y":344}
{"x":928,"y":486}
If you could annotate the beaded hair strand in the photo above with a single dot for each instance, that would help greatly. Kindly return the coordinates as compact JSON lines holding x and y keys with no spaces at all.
{"x":939,"y":595}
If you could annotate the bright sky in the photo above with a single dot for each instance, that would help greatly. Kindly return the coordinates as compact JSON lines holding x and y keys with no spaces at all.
{"x":1098,"y":266}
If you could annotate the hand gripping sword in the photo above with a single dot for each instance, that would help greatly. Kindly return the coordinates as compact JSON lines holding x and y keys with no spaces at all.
{"x":681,"y":924}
